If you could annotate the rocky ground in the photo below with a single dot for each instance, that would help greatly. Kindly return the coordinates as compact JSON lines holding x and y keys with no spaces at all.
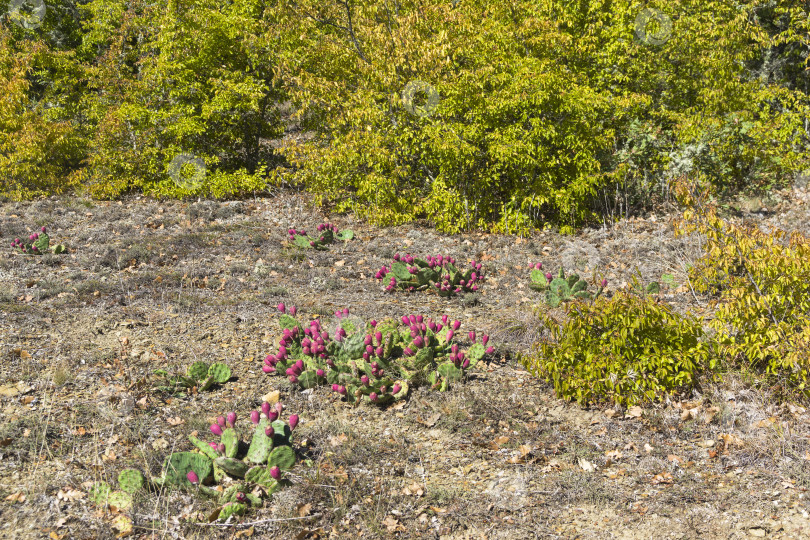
{"x":150,"y":284}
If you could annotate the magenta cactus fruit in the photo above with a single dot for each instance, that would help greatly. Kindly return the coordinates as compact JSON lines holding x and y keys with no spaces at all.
{"x":272,"y":416}
{"x":293,"y":379}
{"x":293,"y":421}
{"x":364,"y":380}
{"x":293,"y":310}
{"x":490,"y":350}
{"x":456,"y":325}
{"x":282,"y":308}
{"x":255,"y":416}
{"x":484,"y":340}
{"x":603,"y":283}
{"x":320,"y":373}
{"x":471,"y":335}
{"x":240,"y":497}
{"x":231,"y":419}
{"x":275,"y":473}
{"x":216,"y":429}
{"x":396,"y":388}
{"x":192,"y":477}
{"x":269,"y":431}
{"x":266,"y":408}
{"x":213,"y":446}
{"x":279,"y":407}
{"x":449,"y":336}
{"x":373,"y":396}
{"x":221,"y":448}
{"x":335,"y":387}
{"x":549,"y":277}
{"x":466,"y":363}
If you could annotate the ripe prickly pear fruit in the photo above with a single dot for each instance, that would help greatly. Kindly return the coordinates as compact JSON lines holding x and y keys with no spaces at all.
{"x":275,"y":473}
{"x":466,"y":363}
{"x":266,"y":408}
{"x":279,"y":407}
{"x":320,"y":373}
{"x":216,"y":429}
{"x":282,"y":308}
{"x":396,"y":388}
{"x":549,"y":277}
{"x":255,"y":416}
{"x":192,"y":477}
{"x":456,"y":325}
{"x":293,"y":421}
{"x":484,"y":339}
{"x":603,"y":283}
{"x":293,"y":379}
{"x":335,"y":387}
{"x":269,"y":431}
{"x":221,"y":448}
{"x":373,"y":397}
{"x":364,"y":380}
{"x":240,"y":497}
{"x":490,"y":350}
{"x":449,"y":336}
{"x":471,"y":335}
{"x":231,"y":419}
{"x":293,"y":310}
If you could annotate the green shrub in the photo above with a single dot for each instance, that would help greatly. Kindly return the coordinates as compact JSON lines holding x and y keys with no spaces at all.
{"x":763,"y":289}
{"x":626,"y":349}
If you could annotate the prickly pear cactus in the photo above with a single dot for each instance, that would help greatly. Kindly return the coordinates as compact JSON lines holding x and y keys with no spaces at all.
{"x":439,"y":273}
{"x":120,"y":500}
{"x":219,"y":372}
{"x":282,"y":457}
{"x":37,"y":244}
{"x":557,"y":290}
{"x":327,"y":233}
{"x":371,"y":362}
{"x":234,"y":467}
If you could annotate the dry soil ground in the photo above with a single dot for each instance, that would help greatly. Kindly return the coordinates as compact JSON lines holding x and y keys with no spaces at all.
{"x":149,"y":284}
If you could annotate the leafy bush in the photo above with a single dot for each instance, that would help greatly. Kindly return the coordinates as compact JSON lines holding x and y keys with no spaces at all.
{"x":538,"y":110}
{"x":763,"y":289}
{"x":626,"y":349}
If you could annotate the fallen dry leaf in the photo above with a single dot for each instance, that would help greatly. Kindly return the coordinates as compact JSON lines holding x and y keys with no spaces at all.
{"x":634,"y":412}
{"x":123,"y":525}
{"x":70,"y":494}
{"x":586,"y":465}
{"x":663,"y":478}
{"x":16,"y":497}
{"x":767,"y":422}
{"x":391,"y":523}
{"x":414,"y":489}
{"x":303,"y":510}
{"x":175,"y":421}
{"x":674,"y":459}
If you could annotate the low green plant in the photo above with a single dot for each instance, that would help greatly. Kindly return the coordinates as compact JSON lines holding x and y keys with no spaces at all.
{"x":373,"y":362}
{"x":561,"y":289}
{"x":199,"y":375}
{"x":626,"y":349}
{"x":413,"y":274}
{"x":37,"y":244}
{"x":249,"y":473}
{"x":327,"y":233}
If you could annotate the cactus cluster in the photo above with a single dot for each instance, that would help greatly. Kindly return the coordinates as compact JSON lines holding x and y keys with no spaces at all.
{"x":327,"y":233}
{"x":199,"y":375}
{"x":129,"y":481}
{"x":250,"y":473}
{"x":37,"y":244}
{"x":409,"y":273}
{"x":373,"y":362}
{"x":561,"y":288}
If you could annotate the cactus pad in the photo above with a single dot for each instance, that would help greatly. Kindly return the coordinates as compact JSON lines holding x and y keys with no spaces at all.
{"x":198,"y":371}
{"x":261,"y":475}
{"x":234,"y":467}
{"x":219,"y":372}
{"x":231,"y":509}
{"x":178,"y":465}
{"x":131,"y":480}
{"x":100,"y":492}
{"x":203,"y":447}
{"x":282,"y":457}
{"x":120,"y":500}
{"x":260,"y":444}
{"x":231,"y":442}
